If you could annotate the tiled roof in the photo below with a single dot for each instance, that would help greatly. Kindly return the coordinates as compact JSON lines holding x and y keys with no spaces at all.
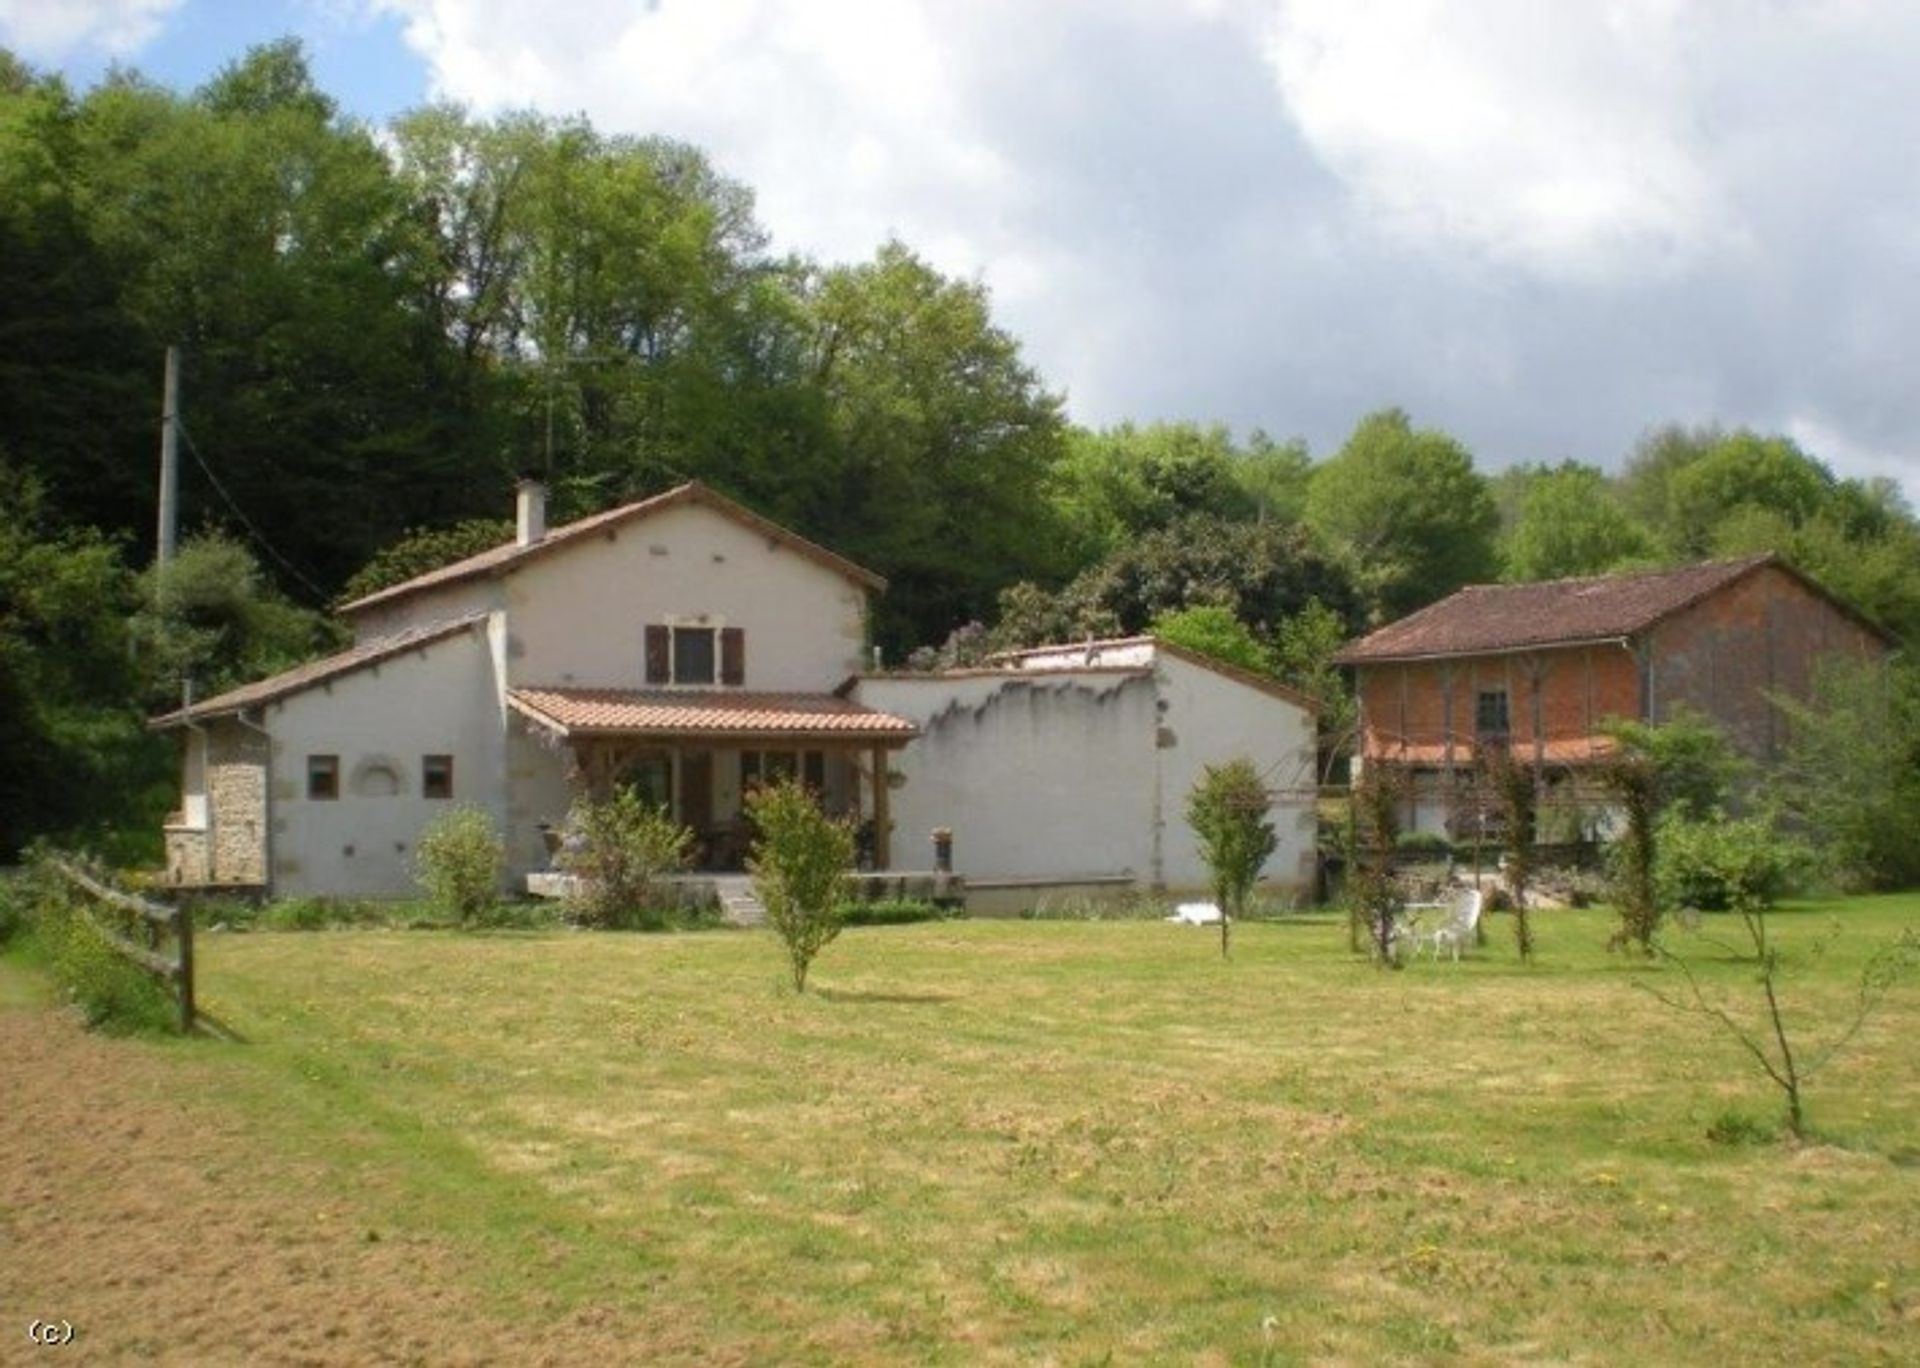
{"x":319,"y":671}
{"x":504,"y":557}
{"x":1486,"y":618}
{"x":715,"y":713}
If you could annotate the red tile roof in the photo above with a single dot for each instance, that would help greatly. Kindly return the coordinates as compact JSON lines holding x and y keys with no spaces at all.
{"x":319,"y":671}
{"x":503,"y":558}
{"x":708,"y":713}
{"x":1490,"y":618}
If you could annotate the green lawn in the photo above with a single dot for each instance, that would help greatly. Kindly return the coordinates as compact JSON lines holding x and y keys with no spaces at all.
{"x":1009,"y":1141}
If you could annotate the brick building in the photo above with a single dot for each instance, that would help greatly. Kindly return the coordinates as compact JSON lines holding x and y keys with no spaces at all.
{"x":1538,"y":668}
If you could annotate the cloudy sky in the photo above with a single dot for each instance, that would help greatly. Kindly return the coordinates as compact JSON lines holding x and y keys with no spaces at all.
{"x":1543,"y":227}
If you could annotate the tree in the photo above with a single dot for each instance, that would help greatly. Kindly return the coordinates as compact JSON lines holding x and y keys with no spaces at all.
{"x":73,"y":751}
{"x":942,"y":442}
{"x":1851,"y":774}
{"x":1215,"y":632}
{"x":423,"y":549}
{"x":1227,"y":809}
{"x":1685,"y":767}
{"x":1747,"y":868}
{"x":1569,"y":524}
{"x":1120,"y":483}
{"x":211,"y":618}
{"x":1511,"y":786}
{"x":1743,"y":470}
{"x":800,"y":861}
{"x":1407,"y":511}
{"x":1262,"y":573}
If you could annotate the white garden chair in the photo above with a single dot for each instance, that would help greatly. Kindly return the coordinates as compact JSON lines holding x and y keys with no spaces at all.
{"x":1450,"y":925}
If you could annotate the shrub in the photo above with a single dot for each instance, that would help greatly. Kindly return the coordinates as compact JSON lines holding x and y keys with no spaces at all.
{"x":1715,"y":865}
{"x":1227,"y":809}
{"x":460,"y":861}
{"x":1427,"y":844}
{"x":893,"y":912}
{"x":112,"y":993}
{"x":621,"y":847}
{"x":799,"y":865}
{"x":13,"y":912}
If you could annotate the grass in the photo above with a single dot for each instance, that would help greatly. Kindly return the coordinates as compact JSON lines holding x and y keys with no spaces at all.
{"x":1089,"y":1142}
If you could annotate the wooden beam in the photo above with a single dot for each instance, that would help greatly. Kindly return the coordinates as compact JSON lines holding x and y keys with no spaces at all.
{"x":882,"y":815}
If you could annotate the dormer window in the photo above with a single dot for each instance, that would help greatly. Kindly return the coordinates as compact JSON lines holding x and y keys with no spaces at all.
{"x":696,"y":655}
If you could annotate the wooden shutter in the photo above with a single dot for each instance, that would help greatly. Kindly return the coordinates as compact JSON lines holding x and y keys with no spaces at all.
{"x":657,"y":654}
{"x":733,"y":655}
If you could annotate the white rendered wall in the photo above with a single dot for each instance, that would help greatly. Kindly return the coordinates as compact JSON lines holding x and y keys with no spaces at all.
{"x":424,"y":608}
{"x":1210,"y":719}
{"x":442,"y":699}
{"x":577,"y":616}
{"x":1040,"y":776}
{"x":1052,"y":773}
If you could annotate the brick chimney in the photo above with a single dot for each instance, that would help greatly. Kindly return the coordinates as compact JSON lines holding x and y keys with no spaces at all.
{"x":530,"y":512}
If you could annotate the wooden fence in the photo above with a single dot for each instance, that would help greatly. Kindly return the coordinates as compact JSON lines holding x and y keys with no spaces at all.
{"x":152,"y":923}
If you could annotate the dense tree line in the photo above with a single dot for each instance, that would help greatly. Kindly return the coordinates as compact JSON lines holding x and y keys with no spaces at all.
{"x":383,"y":328}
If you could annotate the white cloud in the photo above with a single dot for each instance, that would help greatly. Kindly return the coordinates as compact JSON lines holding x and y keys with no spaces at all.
{"x":51,"y":30}
{"x":1545,"y":226}
{"x":1560,"y":137}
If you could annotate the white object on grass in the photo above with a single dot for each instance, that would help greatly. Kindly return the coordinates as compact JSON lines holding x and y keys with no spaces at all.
{"x":1196,"y":914}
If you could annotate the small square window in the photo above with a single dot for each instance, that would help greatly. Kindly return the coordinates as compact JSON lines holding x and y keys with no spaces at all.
{"x":323,"y":776}
{"x":436,"y":776}
{"x":693,"y":655}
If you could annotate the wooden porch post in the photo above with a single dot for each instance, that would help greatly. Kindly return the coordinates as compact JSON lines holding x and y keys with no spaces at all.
{"x":882,"y":842}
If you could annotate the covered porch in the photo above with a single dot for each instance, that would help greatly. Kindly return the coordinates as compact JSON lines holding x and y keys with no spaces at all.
{"x":698,"y":753}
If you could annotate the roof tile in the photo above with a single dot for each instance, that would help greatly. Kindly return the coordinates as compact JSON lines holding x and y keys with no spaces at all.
{"x":707,"y":713}
{"x":1486,"y":618}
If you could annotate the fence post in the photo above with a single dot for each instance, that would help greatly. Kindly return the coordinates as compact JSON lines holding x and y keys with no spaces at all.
{"x":183,"y":937}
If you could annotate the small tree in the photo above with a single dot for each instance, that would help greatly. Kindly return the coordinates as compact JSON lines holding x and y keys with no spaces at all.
{"x":799,"y":864}
{"x":1227,"y":809}
{"x":1512,"y":787}
{"x":460,"y":859}
{"x":1373,"y":831}
{"x":1683,"y":766}
{"x":621,"y":847}
{"x":1744,"y":863}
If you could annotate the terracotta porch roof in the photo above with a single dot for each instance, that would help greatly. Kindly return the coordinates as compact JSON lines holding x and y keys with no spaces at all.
{"x":716,"y":714}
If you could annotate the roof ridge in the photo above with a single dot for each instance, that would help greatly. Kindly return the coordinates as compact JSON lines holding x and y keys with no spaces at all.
{"x":510,"y":553}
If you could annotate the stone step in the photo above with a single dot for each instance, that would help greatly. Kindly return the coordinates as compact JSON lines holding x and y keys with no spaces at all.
{"x":738,"y":904}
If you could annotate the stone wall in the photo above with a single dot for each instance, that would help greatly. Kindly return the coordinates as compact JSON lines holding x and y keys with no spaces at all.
{"x":237,"y":803}
{"x":186,"y":856}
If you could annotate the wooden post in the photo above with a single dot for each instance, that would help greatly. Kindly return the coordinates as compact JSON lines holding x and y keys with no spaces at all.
{"x":183,"y":934}
{"x":882,"y":820}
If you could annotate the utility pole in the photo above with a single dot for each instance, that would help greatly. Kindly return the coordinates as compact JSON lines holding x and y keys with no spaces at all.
{"x":169,"y":461}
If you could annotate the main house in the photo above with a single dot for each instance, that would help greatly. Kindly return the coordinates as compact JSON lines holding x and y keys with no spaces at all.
{"x":1536,"y":669}
{"x":681,"y":644}
{"x":687,"y":647}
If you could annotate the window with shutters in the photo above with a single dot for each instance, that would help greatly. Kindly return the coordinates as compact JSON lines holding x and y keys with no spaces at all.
{"x":697,"y":654}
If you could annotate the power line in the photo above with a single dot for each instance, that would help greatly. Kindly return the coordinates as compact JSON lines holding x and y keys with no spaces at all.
{"x":259,"y":539}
